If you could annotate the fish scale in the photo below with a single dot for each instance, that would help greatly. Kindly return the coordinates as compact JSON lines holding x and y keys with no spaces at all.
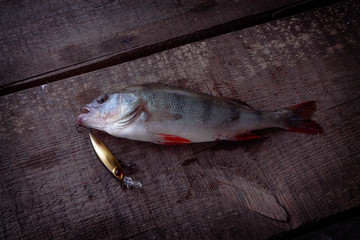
{"x":192,"y":106}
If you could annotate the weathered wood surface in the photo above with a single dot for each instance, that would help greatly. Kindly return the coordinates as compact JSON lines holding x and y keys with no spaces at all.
{"x":53,"y":186}
{"x":46,"y":41}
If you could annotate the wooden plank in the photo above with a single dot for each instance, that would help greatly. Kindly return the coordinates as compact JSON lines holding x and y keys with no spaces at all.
{"x":53,"y":186}
{"x":43,"y":43}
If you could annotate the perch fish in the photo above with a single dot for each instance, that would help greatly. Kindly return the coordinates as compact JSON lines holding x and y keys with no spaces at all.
{"x":170,"y":115}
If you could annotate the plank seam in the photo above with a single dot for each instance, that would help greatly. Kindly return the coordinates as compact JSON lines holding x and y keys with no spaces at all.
{"x":234,"y":25}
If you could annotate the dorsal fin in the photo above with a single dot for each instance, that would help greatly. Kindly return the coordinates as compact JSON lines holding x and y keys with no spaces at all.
{"x":238,"y":101}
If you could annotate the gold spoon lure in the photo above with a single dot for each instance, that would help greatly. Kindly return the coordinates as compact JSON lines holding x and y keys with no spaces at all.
{"x":111,"y":162}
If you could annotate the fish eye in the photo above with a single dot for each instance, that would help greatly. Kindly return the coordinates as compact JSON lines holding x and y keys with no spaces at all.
{"x":101,"y":99}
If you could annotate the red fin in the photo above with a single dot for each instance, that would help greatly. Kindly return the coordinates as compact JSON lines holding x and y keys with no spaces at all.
{"x":173,"y":140}
{"x":174,"y":143}
{"x":299,"y":118}
{"x":245,"y":136}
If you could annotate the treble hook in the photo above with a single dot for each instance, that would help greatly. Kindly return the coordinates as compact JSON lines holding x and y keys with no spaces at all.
{"x":78,"y":126}
{"x":128,"y":167}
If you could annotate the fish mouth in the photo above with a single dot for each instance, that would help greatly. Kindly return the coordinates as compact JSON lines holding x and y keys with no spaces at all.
{"x":82,"y":117}
{"x":84,"y":110}
{"x":90,"y":116}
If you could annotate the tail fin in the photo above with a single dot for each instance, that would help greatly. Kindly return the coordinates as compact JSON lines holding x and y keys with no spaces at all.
{"x":299,"y":118}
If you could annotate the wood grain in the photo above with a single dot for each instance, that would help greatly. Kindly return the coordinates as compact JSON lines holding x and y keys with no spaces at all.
{"x":53,"y":186}
{"x":46,"y":42}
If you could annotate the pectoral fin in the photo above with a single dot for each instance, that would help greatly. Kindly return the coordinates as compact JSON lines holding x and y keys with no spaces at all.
{"x":130,"y":118}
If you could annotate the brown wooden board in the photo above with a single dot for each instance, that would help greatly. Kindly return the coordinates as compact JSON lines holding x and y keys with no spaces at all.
{"x":53,"y":186}
{"x":44,"y":42}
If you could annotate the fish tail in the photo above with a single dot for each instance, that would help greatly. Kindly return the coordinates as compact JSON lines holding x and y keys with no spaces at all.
{"x":298,"y":118}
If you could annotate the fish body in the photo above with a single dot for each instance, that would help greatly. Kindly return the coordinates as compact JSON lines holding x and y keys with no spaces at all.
{"x":170,"y":115}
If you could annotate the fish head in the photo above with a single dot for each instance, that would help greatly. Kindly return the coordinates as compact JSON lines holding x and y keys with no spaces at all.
{"x":106,"y":110}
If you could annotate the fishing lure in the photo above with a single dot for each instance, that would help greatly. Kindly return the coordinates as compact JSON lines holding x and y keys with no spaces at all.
{"x":111,"y":162}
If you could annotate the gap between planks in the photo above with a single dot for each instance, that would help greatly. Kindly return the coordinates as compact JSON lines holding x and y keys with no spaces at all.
{"x":121,"y":57}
